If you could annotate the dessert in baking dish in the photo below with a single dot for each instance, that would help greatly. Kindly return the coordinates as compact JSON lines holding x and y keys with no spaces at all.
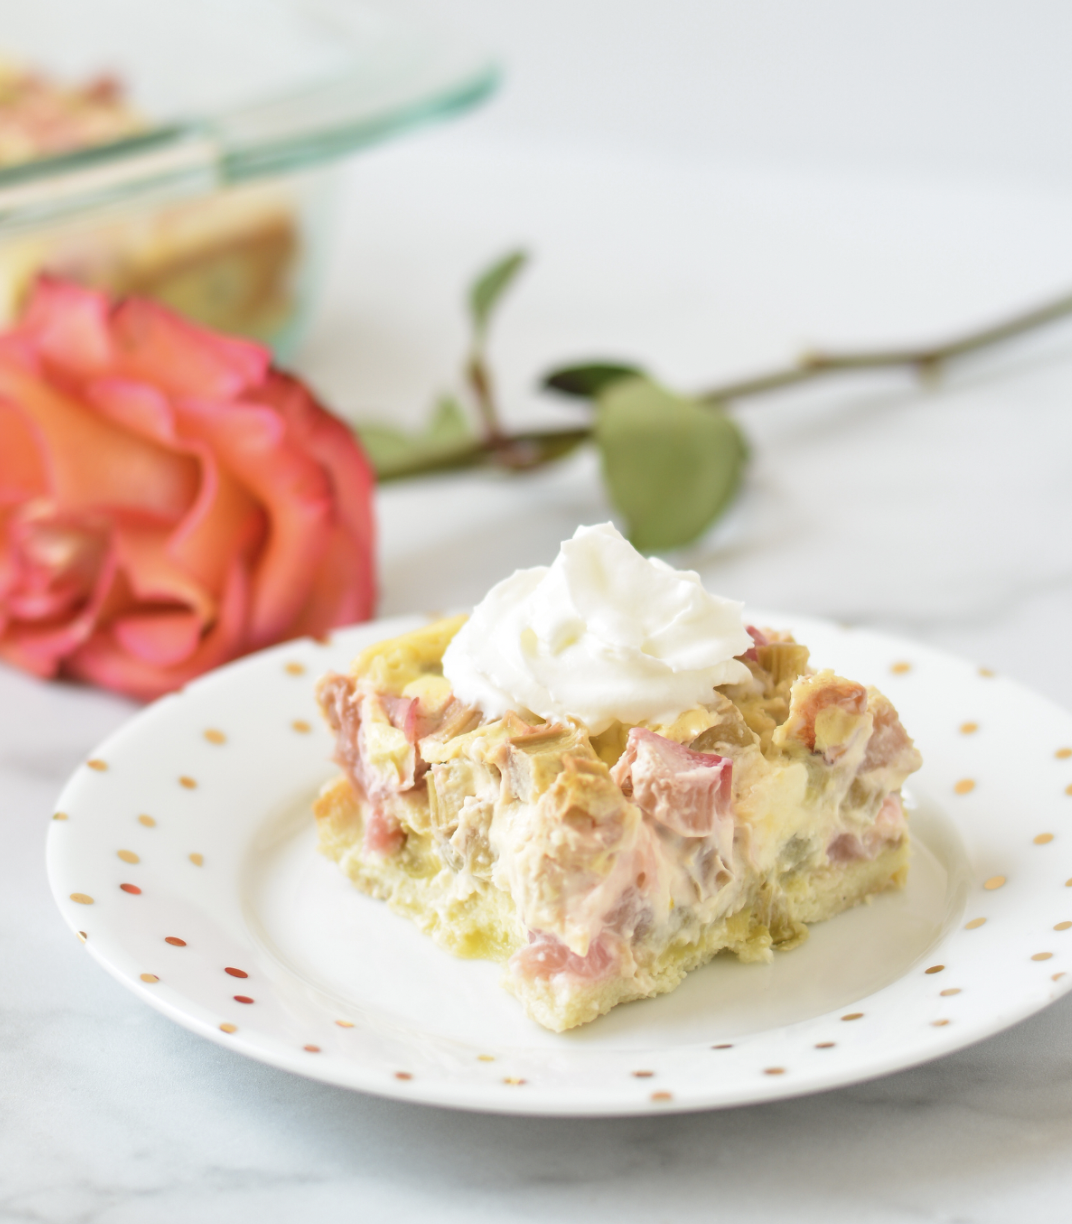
{"x":603,"y":777}
{"x":228,"y":259}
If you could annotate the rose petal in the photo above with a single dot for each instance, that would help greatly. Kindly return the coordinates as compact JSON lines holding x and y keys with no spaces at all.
{"x":56,"y":561}
{"x":160,"y":638}
{"x":343,"y":589}
{"x":296,"y":493}
{"x":102,"y":660}
{"x":22,"y":469}
{"x":93,"y":464}
{"x":350,"y":571}
{"x":159,"y":347}
{"x":69,"y":326}
{"x":223,"y":521}
{"x":223,"y":518}
{"x":42,"y":650}
{"x":7,"y":558}
{"x":154,"y":577}
{"x":135,"y":407}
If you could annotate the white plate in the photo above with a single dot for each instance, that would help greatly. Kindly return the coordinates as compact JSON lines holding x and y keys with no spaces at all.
{"x":192,"y":824}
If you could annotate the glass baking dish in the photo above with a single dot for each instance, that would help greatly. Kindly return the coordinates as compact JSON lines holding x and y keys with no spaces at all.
{"x":218,"y":203}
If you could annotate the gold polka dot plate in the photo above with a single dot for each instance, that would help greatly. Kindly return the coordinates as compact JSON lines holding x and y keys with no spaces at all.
{"x":186,"y":863}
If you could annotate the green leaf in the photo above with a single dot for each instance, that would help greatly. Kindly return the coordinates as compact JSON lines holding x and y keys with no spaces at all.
{"x":490,"y":286}
{"x":671,"y":466}
{"x":396,"y":452}
{"x":588,"y":380}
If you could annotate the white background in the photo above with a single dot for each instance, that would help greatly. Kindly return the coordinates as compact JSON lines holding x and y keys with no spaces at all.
{"x":949,"y":88}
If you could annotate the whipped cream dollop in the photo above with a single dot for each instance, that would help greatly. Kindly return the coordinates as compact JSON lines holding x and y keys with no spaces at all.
{"x":601,"y":634}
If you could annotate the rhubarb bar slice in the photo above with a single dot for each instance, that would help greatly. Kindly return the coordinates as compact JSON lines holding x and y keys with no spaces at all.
{"x":601,"y":869}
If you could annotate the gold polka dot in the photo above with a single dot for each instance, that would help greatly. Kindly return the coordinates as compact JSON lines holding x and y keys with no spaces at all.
{"x":311,"y":1049}
{"x":964,"y":787}
{"x":59,"y":816}
{"x":975,"y":924}
{"x":951,"y":991}
{"x":939,"y":1023}
{"x":512,"y":1079}
{"x":853,"y":1016}
{"x":900,"y":668}
{"x":321,"y":639}
{"x":643,"y":1074}
{"x":934,"y":969}
{"x":1063,"y":926}
{"x":993,"y":882}
{"x":1068,"y":883}
{"x":82,"y":898}
{"x":1056,"y":977}
{"x":969,"y":728}
{"x":295,"y":669}
{"x":1062,"y":754}
{"x":215,"y":737}
{"x":82,"y":936}
{"x":1043,"y":839}
{"x":1041,"y":956}
{"x":187,"y":782}
{"x":147,"y":821}
{"x":485,"y":1058}
{"x":301,"y":726}
{"x":825,"y":1045}
{"x":345,"y":1023}
{"x":228,"y":1028}
{"x":98,"y":765}
{"x":773,"y":1070}
{"x":128,"y":856}
{"x":662,"y":1096}
{"x":987,"y":673}
{"x":149,"y":977}
{"x":198,"y":860}
{"x":1068,"y":789}
{"x":403,"y":1075}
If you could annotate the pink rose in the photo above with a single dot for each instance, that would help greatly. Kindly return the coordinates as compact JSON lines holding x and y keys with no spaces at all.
{"x":168,"y":501}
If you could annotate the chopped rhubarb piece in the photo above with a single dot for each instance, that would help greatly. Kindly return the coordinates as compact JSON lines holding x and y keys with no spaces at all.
{"x":383,"y":834}
{"x":889,"y":829}
{"x":687,"y":792}
{"x":890,"y":745}
{"x":402,"y":714}
{"x":759,"y":638}
{"x":834,"y":693}
{"x":336,"y":696}
{"x":546,"y":957}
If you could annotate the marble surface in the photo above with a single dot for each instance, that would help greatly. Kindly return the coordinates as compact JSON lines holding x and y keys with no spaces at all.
{"x":941,"y":514}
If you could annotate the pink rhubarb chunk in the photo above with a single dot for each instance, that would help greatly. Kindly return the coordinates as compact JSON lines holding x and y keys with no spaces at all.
{"x":547,"y":957}
{"x":687,"y":792}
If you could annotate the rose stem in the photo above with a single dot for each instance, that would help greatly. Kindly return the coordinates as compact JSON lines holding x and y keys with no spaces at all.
{"x":480,"y":383}
{"x":519,"y":452}
{"x":926,"y":361}
{"x":525,"y":451}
